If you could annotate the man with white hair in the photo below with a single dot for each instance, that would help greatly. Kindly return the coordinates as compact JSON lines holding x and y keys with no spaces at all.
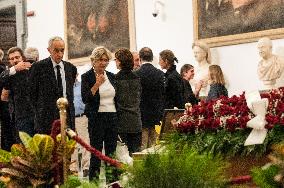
{"x":50,"y":79}
{"x":31,"y":54}
{"x":270,"y":67}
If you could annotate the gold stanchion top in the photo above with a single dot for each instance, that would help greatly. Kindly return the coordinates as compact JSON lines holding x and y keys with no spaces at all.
{"x":62,"y":103}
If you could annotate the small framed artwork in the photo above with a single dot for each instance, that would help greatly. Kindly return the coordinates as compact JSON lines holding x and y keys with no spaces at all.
{"x":89,"y":24}
{"x":227,"y":22}
{"x":169,"y":115}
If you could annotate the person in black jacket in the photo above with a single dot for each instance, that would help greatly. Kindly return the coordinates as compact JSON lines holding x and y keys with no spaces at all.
{"x":174,"y":84}
{"x":15,"y":79}
{"x":8,"y":132}
{"x":152,"y":97}
{"x":217,"y":83}
{"x":187,"y":73}
{"x":98,"y":92}
{"x":128,"y":95}
{"x":50,"y":79}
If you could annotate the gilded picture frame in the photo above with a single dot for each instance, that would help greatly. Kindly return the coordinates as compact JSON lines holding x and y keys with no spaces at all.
{"x":230,"y":22}
{"x":89,"y":24}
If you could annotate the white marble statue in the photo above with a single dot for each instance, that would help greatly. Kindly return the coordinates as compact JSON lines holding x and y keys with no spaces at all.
{"x":202,"y":56}
{"x":270,"y":66}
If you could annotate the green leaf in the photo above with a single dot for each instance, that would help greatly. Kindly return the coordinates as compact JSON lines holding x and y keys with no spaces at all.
{"x":17,"y":150}
{"x":5,"y":156}
{"x":46,"y":147}
{"x":25,"y":138}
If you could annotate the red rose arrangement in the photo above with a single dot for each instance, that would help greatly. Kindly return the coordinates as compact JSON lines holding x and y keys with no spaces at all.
{"x":230,"y":113}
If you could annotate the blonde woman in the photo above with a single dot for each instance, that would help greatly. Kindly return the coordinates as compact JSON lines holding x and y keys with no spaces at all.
{"x":216,"y":82}
{"x":98,"y":93}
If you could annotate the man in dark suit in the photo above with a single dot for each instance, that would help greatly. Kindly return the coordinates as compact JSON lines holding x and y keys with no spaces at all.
{"x":15,"y":79}
{"x":50,"y":79}
{"x":8,"y":131}
{"x":152,"y":97}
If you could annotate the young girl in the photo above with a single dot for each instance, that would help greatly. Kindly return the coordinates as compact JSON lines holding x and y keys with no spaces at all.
{"x":217,"y":83}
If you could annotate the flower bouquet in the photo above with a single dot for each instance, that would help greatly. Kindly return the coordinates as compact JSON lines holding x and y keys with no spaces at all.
{"x":220,"y":127}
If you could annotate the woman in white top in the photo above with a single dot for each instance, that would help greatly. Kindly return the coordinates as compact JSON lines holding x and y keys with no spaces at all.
{"x":98,"y":93}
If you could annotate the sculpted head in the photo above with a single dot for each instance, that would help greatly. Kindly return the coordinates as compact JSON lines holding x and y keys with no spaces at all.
{"x":264,"y":46}
{"x":201,"y":51}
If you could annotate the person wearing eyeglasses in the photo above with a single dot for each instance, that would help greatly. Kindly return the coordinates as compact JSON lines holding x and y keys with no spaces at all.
{"x":98,"y":92}
{"x":50,"y":79}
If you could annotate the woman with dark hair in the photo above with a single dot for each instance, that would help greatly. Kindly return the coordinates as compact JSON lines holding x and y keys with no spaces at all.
{"x":128,"y":95}
{"x":187,"y":73}
{"x":174,"y":82}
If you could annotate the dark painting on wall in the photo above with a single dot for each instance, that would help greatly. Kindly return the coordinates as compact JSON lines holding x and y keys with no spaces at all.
{"x":92,"y":23}
{"x":224,"y":22}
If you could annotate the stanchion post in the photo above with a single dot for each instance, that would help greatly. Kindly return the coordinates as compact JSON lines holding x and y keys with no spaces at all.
{"x":62,"y":105}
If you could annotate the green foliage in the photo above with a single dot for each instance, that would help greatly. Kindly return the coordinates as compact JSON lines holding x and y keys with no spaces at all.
{"x":225,"y":142}
{"x":5,"y":156}
{"x":2,"y":185}
{"x":72,"y":182}
{"x":264,"y":178}
{"x":75,"y":182}
{"x":183,"y":168}
{"x":31,"y":163}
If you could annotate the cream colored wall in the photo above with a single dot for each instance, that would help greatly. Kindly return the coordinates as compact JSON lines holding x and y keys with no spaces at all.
{"x":171,"y":29}
{"x":47,"y":22}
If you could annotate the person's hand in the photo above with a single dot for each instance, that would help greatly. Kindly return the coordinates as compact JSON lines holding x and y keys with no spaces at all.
{"x":5,"y":95}
{"x":198,"y":85}
{"x":23,"y":66}
{"x":100,"y":79}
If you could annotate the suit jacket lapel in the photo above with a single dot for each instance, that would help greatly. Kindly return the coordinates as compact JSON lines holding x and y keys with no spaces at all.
{"x":50,"y":71}
{"x":68,"y":76}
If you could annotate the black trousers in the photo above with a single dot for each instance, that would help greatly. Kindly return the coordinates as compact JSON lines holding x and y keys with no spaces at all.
{"x":132,"y":140}
{"x":26,"y":125}
{"x":8,"y":131}
{"x":102,"y":128}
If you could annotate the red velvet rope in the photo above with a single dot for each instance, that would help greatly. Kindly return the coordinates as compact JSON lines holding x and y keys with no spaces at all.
{"x":56,"y":130}
{"x":241,"y":179}
{"x":97,"y":153}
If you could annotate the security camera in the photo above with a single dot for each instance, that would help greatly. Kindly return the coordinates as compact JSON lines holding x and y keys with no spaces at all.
{"x":157,"y":5}
{"x":155,"y":13}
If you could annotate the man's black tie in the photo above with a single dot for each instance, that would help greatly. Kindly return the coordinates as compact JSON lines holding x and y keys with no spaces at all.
{"x":59,"y":82}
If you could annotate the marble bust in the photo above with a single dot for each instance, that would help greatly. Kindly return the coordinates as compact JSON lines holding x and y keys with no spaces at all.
{"x":202,"y":56}
{"x":270,"y":66}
